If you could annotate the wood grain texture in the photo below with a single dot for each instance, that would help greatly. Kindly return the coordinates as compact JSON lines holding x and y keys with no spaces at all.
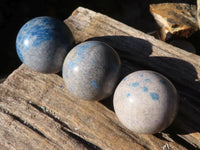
{"x":137,"y":47}
{"x":37,"y":111}
{"x":198,"y":12}
{"x":45,"y":105}
{"x":175,"y":19}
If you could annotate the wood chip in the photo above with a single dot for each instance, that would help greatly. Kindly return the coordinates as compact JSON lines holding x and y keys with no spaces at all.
{"x":175,"y":19}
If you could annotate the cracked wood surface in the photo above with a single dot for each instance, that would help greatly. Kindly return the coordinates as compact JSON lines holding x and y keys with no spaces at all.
{"x":37,"y":111}
{"x":175,"y":19}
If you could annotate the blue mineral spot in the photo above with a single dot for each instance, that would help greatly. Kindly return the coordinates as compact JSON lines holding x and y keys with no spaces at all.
{"x":79,"y":59}
{"x":145,"y":89}
{"x":40,"y":30}
{"x":70,"y":65}
{"x":141,"y":75}
{"x":66,"y":75}
{"x":124,"y":79}
{"x":154,"y":96}
{"x":147,"y":80}
{"x":82,"y":48}
{"x":128,"y":95}
{"x":70,"y":89}
{"x":20,"y":55}
{"x":42,"y":34}
{"x":135,"y":84}
{"x":94,"y":84}
{"x":19,"y":38}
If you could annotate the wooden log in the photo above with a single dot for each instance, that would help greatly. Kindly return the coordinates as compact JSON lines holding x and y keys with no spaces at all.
{"x":138,"y":47}
{"x":40,"y":131}
{"x":176,"y":20}
{"x":14,"y":135}
{"x":44,"y":104}
{"x":198,"y":12}
{"x":39,"y":110}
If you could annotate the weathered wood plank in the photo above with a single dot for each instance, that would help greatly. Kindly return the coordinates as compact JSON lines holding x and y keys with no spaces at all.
{"x":91,"y":121}
{"x":138,"y":48}
{"x":65,"y":122}
{"x":175,"y":19}
{"x":14,"y":135}
{"x":47,"y":127}
{"x":198,"y":12}
{"x":142,"y":49}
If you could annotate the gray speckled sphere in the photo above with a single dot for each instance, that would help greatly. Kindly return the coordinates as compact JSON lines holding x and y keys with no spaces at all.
{"x":91,"y":70}
{"x":145,"y":102}
{"x":42,"y":44}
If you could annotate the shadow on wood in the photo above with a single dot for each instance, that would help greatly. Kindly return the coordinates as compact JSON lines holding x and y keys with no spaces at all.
{"x":135,"y":54}
{"x":138,"y":52}
{"x":58,"y":111}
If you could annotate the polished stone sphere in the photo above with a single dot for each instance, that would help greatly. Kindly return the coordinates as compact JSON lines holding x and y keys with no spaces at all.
{"x":42,"y":44}
{"x":145,"y":102}
{"x":91,"y":70}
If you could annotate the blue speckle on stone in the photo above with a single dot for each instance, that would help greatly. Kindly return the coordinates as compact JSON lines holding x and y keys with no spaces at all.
{"x":147,"y":80}
{"x":135,"y":84}
{"x":91,"y":71}
{"x":43,"y":42}
{"x":94,"y":84}
{"x":141,"y":75}
{"x":66,"y":75}
{"x":145,"y":89}
{"x":70,"y":89}
{"x":20,"y":55}
{"x":70,"y":65}
{"x":40,"y":32}
{"x":124,"y":79}
{"x":128,"y":95}
{"x":154,"y":96}
{"x":79,"y":59}
{"x":82,"y":48}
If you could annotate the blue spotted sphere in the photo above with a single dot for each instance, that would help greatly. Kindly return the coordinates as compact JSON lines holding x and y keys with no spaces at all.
{"x":91,"y":70}
{"x":145,"y":102}
{"x":42,"y":44}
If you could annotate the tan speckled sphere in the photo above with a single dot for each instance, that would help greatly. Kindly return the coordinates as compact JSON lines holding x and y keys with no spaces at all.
{"x":145,"y":102}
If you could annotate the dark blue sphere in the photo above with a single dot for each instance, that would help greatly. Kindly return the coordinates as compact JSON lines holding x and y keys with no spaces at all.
{"x":42,"y":44}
